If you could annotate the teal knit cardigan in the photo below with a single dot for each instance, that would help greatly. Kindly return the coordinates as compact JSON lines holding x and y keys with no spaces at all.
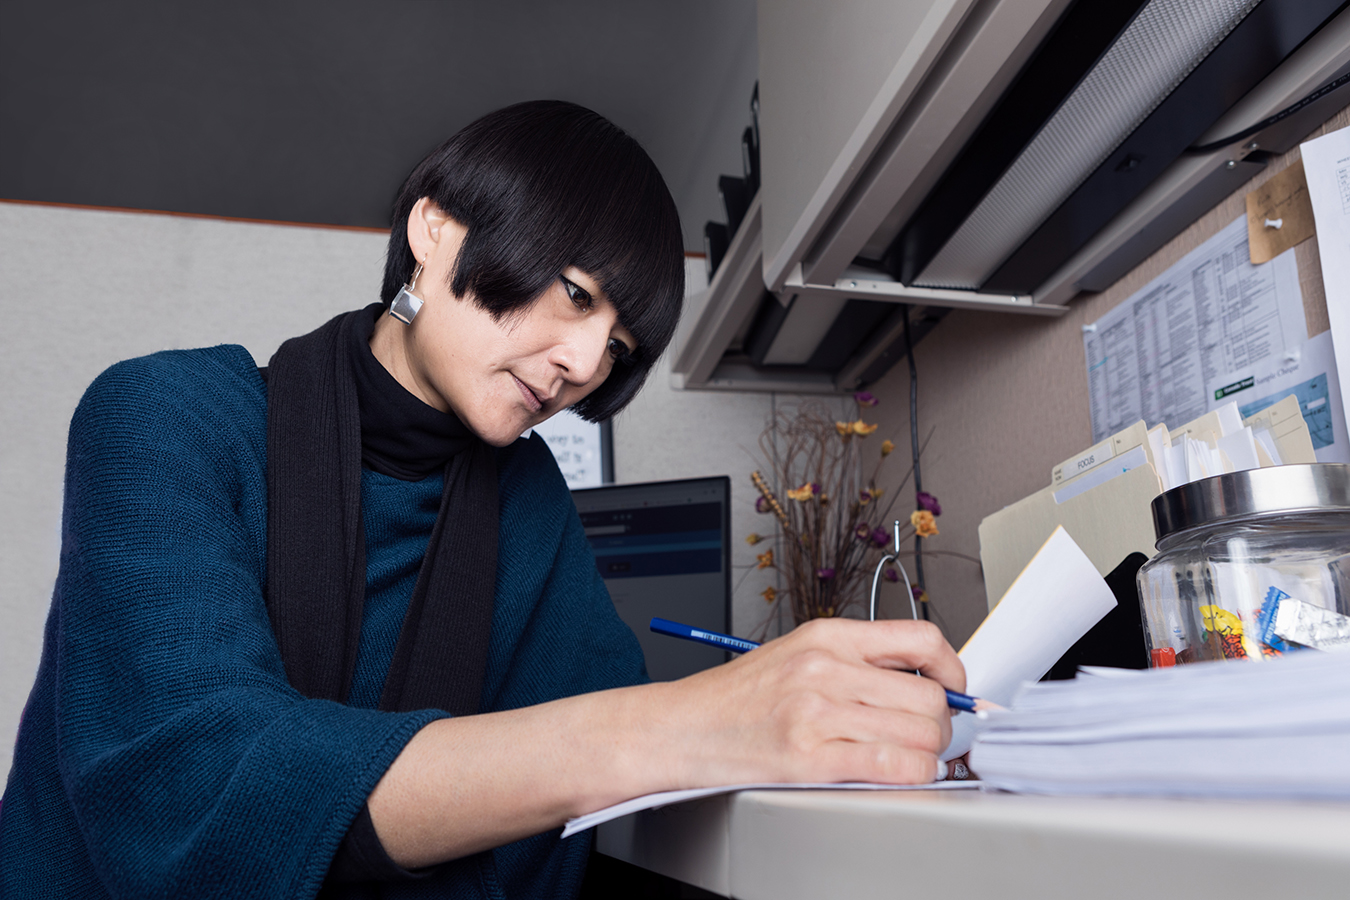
{"x":162,"y":752}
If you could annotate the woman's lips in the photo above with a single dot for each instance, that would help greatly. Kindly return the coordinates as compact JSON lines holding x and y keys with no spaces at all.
{"x":531,"y":399}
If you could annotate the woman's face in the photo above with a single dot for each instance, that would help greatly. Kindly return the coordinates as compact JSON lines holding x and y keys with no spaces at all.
{"x":499,"y":377}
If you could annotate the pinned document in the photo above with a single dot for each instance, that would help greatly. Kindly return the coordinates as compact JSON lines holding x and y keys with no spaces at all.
{"x":1327,"y":164}
{"x":1153,"y":356}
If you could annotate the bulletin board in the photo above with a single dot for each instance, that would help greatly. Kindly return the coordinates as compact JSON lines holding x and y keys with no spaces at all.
{"x":1006,"y":398}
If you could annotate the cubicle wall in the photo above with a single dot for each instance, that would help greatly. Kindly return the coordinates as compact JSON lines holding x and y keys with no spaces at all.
{"x":84,"y":288}
{"x":1006,"y":398}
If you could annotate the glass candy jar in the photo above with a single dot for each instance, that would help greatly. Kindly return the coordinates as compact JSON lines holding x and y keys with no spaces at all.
{"x":1250,"y":564}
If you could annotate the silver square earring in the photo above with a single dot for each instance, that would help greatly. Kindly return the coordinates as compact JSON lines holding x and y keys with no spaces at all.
{"x":406,"y":305}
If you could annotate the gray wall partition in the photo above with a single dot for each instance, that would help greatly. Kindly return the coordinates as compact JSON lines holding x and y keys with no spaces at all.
{"x":84,"y":288}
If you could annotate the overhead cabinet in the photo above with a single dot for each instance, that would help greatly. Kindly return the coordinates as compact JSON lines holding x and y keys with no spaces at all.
{"x":999,"y":155}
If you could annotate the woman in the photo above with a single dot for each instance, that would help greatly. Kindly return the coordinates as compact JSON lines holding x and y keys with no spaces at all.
{"x":332,"y":627}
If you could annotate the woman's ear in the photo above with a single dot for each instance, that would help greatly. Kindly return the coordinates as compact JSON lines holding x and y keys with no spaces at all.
{"x":426,"y":228}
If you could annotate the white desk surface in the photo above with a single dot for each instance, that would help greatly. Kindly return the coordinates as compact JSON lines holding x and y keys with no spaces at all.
{"x":780,"y":845}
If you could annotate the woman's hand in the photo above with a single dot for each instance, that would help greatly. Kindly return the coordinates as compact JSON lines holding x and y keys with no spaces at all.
{"x":834,"y":700}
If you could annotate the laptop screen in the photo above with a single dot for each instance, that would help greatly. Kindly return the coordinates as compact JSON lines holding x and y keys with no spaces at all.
{"x":663,"y":549}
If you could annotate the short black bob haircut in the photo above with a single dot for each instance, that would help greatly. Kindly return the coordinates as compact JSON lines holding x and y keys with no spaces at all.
{"x":541,"y":186}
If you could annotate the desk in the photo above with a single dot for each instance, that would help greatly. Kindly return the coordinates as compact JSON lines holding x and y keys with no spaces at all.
{"x":780,"y":845}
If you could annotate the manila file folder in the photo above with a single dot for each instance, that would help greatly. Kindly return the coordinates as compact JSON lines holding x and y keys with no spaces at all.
{"x":1109,"y":522}
{"x":1111,"y":516}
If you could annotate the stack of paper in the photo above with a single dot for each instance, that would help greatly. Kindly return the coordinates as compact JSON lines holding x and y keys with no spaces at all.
{"x":1210,"y":729}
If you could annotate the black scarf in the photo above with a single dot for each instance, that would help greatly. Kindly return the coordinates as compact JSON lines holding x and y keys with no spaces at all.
{"x":316,"y":562}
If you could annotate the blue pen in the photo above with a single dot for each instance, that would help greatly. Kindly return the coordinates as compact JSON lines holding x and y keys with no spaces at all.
{"x":702,"y":635}
{"x":955,"y":699}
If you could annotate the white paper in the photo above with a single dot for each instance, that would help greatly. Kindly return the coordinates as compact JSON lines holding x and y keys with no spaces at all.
{"x":1267,"y":442}
{"x":666,"y":798}
{"x":1241,"y":449}
{"x":1326,"y":163}
{"x":1053,"y":603}
{"x":1230,"y":727}
{"x":1153,"y":356}
{"x":1197,"y":459}
{"x":1176,"y":463}
{"x":1230,"y":420}
{"x":1157,"y":443}
{"x":1308,"y":371}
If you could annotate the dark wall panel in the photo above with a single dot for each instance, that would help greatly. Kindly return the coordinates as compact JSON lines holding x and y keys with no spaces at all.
{"x":315,"y":112}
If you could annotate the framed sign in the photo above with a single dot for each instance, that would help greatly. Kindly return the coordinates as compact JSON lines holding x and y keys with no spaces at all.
{"x":584,"y":450}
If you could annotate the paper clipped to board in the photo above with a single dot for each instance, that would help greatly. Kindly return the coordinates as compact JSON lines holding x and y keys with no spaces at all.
{"x":1211,"y":314}
{"x":1053,"y":603}
{"x":1326,"y":161}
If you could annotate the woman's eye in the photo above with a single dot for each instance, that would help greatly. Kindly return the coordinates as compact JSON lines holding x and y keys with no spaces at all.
{"x":577,"y":294}
{"x":619,"y":350}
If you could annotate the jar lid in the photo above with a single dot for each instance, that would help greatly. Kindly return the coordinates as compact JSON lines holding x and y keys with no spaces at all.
{"x":1319,"y":487}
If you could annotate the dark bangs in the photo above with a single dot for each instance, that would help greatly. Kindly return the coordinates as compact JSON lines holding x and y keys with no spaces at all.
{"x":541,"y":186}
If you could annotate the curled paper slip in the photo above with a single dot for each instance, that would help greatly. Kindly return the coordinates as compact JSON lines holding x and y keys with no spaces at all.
{"x":1053,"y":603}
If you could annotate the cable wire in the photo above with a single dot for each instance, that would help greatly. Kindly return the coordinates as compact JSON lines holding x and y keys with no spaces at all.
{"x":1266,"y":123}
{"x":914,"y":451}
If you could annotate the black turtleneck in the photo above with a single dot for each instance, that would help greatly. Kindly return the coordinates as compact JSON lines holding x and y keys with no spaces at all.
{"x":401,"y":436}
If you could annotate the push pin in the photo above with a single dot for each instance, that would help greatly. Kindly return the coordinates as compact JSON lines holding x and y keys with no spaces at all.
{"x":1275,"y":223}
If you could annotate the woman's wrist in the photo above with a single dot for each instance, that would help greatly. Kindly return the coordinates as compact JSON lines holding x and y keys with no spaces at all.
{"x":468,"y":784}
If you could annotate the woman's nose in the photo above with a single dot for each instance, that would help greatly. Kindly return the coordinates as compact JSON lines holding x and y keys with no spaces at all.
{"x":582,"y":355}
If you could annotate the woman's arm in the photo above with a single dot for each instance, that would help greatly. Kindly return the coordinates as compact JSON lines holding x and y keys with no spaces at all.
{"x":163,"y":751}
{"x":834,"y":700}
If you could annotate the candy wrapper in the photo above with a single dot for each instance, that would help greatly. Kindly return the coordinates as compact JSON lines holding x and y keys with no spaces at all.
{"x":1285,"y":620}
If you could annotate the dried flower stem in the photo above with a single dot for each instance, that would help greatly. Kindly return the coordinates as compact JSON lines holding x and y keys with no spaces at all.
{"x":769,"y":497}
{"x":824,"y":561}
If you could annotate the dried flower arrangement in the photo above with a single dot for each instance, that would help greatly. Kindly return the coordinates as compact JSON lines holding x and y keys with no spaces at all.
{"x":834,"y":525}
